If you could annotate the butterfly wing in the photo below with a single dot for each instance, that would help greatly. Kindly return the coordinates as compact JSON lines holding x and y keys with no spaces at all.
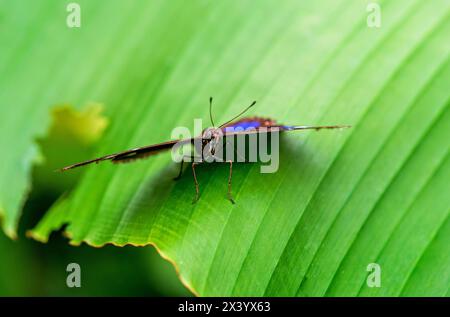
{"x":256,"y":125}
{"x":133,"y":154}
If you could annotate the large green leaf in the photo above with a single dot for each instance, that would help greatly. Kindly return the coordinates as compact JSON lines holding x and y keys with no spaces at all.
{"x":340,"y":200}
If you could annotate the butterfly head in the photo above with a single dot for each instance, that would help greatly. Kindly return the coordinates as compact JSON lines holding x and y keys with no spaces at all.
{"x":211,"y":138}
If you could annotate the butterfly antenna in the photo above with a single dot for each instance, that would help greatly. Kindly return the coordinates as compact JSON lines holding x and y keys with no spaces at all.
{"x":240,"y":114}
{"x":210,"y":111}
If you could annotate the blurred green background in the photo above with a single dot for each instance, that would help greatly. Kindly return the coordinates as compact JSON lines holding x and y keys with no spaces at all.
{"x":30,"y":268}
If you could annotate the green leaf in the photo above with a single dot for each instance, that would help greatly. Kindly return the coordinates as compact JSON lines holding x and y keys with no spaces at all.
{"x":376,"y":193}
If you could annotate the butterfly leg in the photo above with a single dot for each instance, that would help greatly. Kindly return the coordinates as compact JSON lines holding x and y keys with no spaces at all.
{"x":195,"y":182}
{"x":191,"y":159}
{"x":230,"y":197}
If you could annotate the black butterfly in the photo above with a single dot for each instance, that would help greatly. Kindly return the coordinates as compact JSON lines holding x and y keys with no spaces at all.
{"x":206,"y":143}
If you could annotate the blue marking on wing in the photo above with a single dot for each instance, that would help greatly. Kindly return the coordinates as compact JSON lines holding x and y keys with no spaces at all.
{"x":243,"y":125}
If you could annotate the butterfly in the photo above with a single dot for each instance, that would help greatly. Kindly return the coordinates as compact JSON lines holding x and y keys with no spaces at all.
{"x":206,"y":143}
